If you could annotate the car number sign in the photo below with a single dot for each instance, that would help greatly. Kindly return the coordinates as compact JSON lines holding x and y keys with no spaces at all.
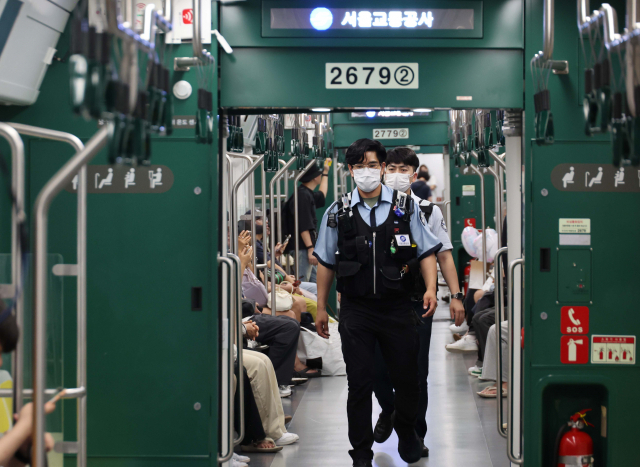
{"x":371,"y":75}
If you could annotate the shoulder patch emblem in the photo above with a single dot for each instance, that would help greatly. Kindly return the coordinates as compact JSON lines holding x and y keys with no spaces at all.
{"x":444,"y":225}
{"x":423,"y":219}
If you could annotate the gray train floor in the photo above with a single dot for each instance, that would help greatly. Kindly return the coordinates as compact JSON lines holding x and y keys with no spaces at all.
{"x":462,"y":426}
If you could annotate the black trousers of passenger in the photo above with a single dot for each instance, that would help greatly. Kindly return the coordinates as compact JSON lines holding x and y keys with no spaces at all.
{"x":469,"y":303}
{"x":391,"y":324}
{"x":281,"y":334}
{"x":383,"y":387}
{"x":482,"y":321}
{"x":252,"y":422}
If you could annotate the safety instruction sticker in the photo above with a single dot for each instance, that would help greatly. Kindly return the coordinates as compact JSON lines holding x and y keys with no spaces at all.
{"x":617,"y":350}
{"x":574,"y":350}
{"x":575,"y":226}
{"x":468,"y":190}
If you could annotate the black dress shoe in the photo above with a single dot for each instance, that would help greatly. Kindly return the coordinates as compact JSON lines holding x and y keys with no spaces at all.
{"x":410,"y":449}
{"x":384,"y":427}
{"x":362,"y":463}
{"x":425,"y":450}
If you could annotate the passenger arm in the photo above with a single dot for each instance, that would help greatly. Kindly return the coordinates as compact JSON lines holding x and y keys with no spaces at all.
{"x":306,"y":239}
{"x":448,"y":268}
{"x":429,"y":270}
{"x":324,"y":183}
{"x":324,"y":280}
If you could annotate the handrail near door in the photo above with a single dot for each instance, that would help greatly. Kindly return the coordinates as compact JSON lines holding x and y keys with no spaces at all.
{"x":41,"y":209}
{"x":499,"y":314}
{"x":10,"y":290}
{"x":512,"y":457}
{"x":233,"y":208}
{"x":482,"y":218}
{"x":237,"y":325}
{"x":272,"y":238}
{"x":222,"y":458}
{"x":498,"y":202}
{"x":80,"y":271}
{"x":296,"y":229}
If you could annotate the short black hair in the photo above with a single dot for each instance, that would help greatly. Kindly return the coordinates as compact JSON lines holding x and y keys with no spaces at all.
{"x":355,"y":152}
{"x":9,"y":332}
{"x":425,"y":175}
{"x":403,"y":155}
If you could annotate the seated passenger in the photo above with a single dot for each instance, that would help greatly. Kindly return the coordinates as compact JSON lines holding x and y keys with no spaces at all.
{"x":15,"y":445}
{"x":489,"y":367}
{"x":245,"y":224}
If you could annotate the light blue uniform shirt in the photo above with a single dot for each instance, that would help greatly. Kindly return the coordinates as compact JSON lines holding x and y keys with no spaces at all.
{"x":327,"y":242}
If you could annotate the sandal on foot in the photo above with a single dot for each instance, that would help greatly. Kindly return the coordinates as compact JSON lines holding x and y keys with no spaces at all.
{"x":491,"y":392}
{"x":253,"y":447}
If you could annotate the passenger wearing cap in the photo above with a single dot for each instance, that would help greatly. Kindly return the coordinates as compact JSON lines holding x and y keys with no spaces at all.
{"x":308,"y":201}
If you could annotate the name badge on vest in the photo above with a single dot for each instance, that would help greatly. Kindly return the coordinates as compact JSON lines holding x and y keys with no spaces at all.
{"x":403,"y":240}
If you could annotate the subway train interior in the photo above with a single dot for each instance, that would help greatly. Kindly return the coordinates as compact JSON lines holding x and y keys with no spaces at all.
{"x":187,"y":278}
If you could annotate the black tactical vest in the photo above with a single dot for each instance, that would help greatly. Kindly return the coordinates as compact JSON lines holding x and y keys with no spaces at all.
{"x":373,"y":262}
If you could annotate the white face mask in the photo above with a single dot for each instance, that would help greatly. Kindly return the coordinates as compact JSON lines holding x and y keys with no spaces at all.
{"x":367,"y":179}
{"x":398,"y":181}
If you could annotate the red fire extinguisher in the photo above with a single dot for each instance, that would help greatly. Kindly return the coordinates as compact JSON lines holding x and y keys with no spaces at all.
{"x":467,"y":273}
{"x":575,"y":447}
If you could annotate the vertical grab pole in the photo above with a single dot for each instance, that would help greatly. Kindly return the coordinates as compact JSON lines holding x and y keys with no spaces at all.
{"x":234,"y":196}
{"x":498,"y":203}
{"x":272,"y":237}
{"x":296,"y":230}
{"x":222,"y":458}
{"x":237,"y":291}
{"x":41,"y":208}
{"x":512,"y":457}
{"x":482,"y":218}
{"x":279,"y":197}
{"x":499,"y":313}
{"x":265,"y":237}
{"x":17,"y":186}
{"x":81,"y":368}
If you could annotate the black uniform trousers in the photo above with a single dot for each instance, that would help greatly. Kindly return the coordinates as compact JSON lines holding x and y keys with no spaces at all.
{"x":391,"y":324}
{"x":383,"y":386}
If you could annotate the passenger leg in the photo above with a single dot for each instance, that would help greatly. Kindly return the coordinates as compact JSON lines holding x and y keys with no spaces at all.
{"x":281,"y":334}
{"x":304,"y":267}
{"x":265,"y":390}
{"x":482,"y":321}
{"x":253,"y":424}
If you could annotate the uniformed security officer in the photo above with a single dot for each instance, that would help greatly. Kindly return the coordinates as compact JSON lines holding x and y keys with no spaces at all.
{"x":367,"y":239}
{"x":401,"y":166}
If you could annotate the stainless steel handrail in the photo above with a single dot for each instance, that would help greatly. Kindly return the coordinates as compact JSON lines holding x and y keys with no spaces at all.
{"x":238,"y":328}
{"x":18,"y":187}
{"x":280,"y":205}
{"x":513,"y":458}
{"x":499,"y":314}
{"x":482,"y":219}
{"x":81,"y":371}
{"x":498,"y":203}
{"x":447,"y":207}
{"x":265,"y":234}
{"x":272,"y":238}
{"x":200,"y":55}
{"x":234,"y":215}
{"x":498,"y":160}
{"x":41,"y":209}
{"x":296,"y":229}
{"x":548,"y":33}
{"x":222,"y":458}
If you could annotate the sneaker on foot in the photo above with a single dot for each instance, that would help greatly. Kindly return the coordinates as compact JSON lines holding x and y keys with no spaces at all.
{"x":425,"y":450}
{"x":239,"y":458}
{"x":464,"y":327}
{"x":286,"y":439}
{"x":464,"y":345}
{"x":475,"y":371}
{"x":285,"y":391}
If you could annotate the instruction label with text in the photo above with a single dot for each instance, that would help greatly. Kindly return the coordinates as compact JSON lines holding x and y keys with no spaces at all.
{"x":617,"y":350}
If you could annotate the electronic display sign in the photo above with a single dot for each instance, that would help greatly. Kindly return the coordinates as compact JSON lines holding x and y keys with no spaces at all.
{"x":454,"y":19}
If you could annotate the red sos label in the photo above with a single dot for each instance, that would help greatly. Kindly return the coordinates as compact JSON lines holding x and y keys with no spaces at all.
{"x":187,"y":16}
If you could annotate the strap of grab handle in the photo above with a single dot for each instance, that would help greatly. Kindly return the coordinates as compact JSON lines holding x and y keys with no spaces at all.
{"x":499,"y":313}
{"x":512,"y":457}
